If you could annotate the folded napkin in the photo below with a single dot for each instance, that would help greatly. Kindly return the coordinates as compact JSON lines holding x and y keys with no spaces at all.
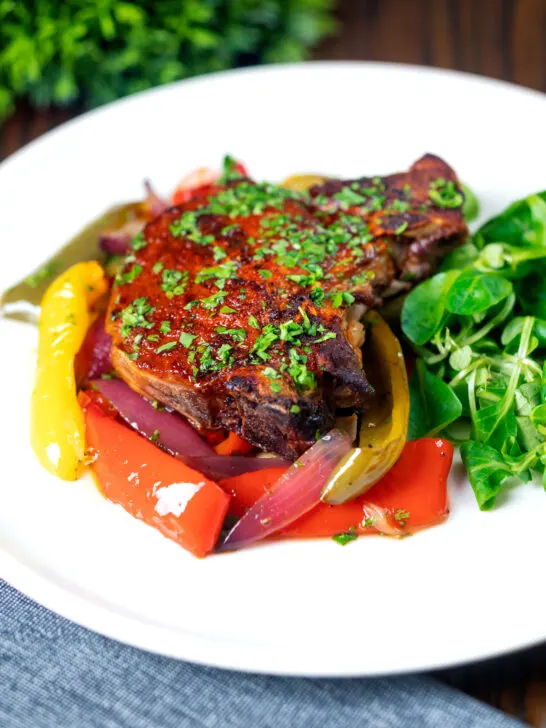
{"x":55,"y":674}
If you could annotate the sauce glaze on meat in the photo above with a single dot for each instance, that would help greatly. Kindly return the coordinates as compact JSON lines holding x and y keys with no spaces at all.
{"x":240,"y":309}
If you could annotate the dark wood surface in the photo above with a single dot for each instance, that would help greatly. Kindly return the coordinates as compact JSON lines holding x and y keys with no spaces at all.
{"x":498,"y":38}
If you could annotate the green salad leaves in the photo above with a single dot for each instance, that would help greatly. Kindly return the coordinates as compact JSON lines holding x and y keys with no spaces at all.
{"x":479,"y":330}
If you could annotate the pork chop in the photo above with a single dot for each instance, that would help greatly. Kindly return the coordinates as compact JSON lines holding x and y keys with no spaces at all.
{"x":241,"y":309}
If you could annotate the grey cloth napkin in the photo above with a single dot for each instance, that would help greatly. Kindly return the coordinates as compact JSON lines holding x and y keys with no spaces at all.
{"x":55,"y":674}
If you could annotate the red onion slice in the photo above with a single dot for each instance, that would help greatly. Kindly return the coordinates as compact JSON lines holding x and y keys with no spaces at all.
{"x":93,"y":359}
{"x":118,"y":242}
{"x":219,"y":467}
{"x":175,"y":435}
{"x":168,"y":429}
{"x":154,"y":204}
{"x":294,"y":493}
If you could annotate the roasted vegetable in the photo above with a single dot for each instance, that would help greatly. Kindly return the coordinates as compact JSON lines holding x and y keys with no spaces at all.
{"x":57,"y":430}
{"x":22,"y":301}
{"x":155,"y":487}
{"x":384,"y":425}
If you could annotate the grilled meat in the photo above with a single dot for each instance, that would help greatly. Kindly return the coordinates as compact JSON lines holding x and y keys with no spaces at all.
{"x":417,"y":213}
{"x":241,"y":309}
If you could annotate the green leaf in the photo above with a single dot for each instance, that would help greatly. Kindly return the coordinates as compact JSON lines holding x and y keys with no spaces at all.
{"x":461,"y":257}
{"x":471,"y":206}
{"x":433,"y":404}
{"x":538,"y":418}
{"x":460,"y":358}
{"x":511,"y":333}
{"x":474,"y":292}
{"x":487,"y":471}
{"x":522,"y":223}
{"x":496,"y":424}
{"x":424,"y":309}
{"x":531,"y":291}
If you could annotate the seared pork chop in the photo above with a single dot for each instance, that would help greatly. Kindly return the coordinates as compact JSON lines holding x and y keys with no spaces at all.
{"x":241,"y":308}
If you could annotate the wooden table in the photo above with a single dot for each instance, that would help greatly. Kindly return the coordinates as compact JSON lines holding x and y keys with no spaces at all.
{"x":499,"y":38}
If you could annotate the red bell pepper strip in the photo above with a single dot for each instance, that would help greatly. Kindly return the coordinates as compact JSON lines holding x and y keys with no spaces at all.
{"x":181,"y":503}
{"x":233,"y":445}
{"x":413,"y":495}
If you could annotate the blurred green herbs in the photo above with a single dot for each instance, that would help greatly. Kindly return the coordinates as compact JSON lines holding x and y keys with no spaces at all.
{"x":94,"y":51}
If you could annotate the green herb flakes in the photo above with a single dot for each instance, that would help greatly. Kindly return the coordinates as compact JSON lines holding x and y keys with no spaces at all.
{"x":174,"y":282}
{"x":344,"y":538}
{"x":186,"y":339}
{"x":169,"y":346}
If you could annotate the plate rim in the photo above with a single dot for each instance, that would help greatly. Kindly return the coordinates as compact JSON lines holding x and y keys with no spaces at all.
{"x":196,"y":648}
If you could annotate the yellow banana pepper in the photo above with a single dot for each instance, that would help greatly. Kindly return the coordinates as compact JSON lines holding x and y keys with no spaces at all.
{"x":57,"y":428}
{"x":383,"y":429}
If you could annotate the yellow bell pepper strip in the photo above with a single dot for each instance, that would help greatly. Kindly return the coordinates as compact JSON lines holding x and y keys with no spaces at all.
{"x":384,"y":426}
{"x":302,"y":182}
{"x":22,"y":301}
{"x":57,"y":427}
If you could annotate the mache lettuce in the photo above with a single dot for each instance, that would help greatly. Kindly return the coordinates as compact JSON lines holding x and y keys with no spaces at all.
{"x":478,"y":328}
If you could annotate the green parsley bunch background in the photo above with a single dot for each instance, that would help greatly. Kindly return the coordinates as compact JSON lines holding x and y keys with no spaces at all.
{"x":57,"y":52}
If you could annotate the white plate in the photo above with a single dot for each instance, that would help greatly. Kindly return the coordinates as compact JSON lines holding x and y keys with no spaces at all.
{"x":459,"y":592}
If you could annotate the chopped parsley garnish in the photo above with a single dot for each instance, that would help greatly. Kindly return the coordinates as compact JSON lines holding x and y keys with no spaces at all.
{"x":222,"y":273}
{"x":188,"y":226}
{"x":165,"y":347}
{"x":230,"y":170}
{"x":444,"y":193}
{"x":236,"y":334}
{"x":326,"y":337}
{"x":268,"y":336}
{"x":191,"y":304}
{"x":401,"y":228}
{"x":42,"y":274}
{"x":174,"y":282}
{"x":339,"y":298}
{"x":139,"y":242}
{"x":213,"y":301}
{"x":361,"y":279}
{"x":135,"y":315}
{"x":187,"y":339}
{"x":317,"y":296}
{"x":247,"y":199}
{"x":348,"y":197}
{"x":224,"y":354}
{"x":129,"y":276}
{"x":165,"y":327}
{"x":253,"y":321}
{"x":155,"y":436}
{"x":273,"y":375}
{"x":157,"y":267}
{"x":401,"y":516}
{"x":218,"y":253}
{"x":399,"y":205}
{"x":303,"y":378}
{"x":227,"y":309}
{"x":295,"y":409}
{"x":344,"y":538}
{"x":265,"y":274}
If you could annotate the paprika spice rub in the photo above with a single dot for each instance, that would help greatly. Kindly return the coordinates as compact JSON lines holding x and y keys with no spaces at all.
{"x":241,"y":308}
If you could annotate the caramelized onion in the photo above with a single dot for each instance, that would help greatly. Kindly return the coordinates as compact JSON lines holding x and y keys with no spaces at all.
{"x":294,"y":494}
